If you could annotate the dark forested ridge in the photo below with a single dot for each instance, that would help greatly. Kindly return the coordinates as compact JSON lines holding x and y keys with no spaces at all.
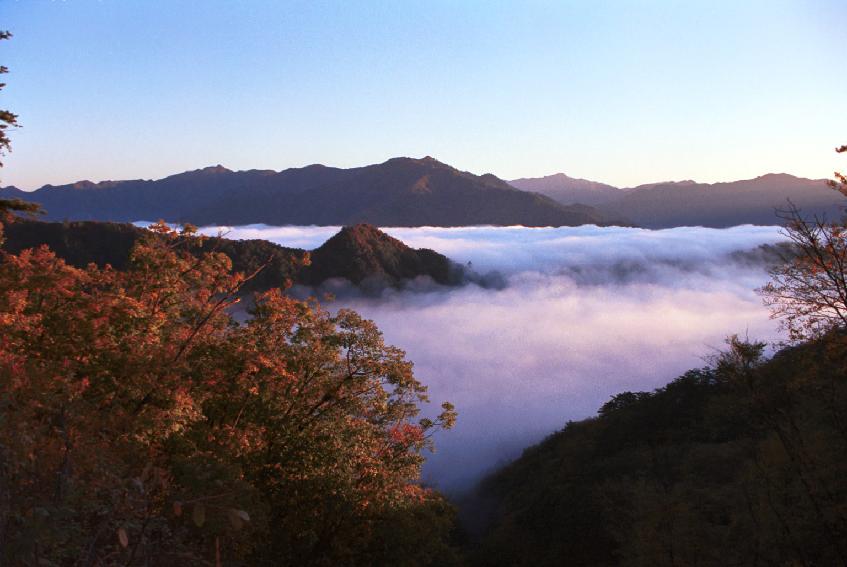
{"x":357,"y":253}
{"x":741,"y":463}
{"x":362,"y":251}
{"x":399,"y":192}
{"x":688,"y":203}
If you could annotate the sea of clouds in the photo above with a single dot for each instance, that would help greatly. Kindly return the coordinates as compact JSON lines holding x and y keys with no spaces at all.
{"x":586,"y":312}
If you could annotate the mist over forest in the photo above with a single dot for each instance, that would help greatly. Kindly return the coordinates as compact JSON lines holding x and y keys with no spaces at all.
{"x":586,"y":312}
{"x":442,"y":284}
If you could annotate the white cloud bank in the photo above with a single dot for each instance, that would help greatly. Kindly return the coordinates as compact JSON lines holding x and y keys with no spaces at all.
{"x":588,"y":312}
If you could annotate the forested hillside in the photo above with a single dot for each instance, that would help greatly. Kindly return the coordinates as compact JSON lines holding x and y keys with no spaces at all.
{"x":142,"y":425}
{"x":356,"y":254}
{"x":739,"y":463}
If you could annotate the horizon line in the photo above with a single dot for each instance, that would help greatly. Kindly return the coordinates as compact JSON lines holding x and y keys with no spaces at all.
{"x":425,"y":158}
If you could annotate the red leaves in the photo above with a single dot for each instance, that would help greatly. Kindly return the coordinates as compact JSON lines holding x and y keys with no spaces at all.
{"x":111,"y":373}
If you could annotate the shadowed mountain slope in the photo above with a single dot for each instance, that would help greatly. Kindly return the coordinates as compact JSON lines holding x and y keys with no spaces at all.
{"x":362,"y":251}
{"x":399,"y":192}
{"x":569,"y":190}
{"x":751,"y":201}
{"x":713,"y":469}
{"x":355,"y":254}
{"x":688,"y":203}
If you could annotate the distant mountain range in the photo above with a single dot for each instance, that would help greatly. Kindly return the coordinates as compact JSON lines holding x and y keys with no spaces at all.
{"x":399,"y":192}
{"x":421,"y":192}
{"x":688,"y":203}
{"x":569,"y":190}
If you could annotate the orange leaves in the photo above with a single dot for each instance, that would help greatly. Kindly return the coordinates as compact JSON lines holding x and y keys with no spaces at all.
{"x":295,"y":415}
{"x":406,"y":434}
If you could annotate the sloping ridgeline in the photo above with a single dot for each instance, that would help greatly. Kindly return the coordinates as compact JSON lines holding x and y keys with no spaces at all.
{"x":399,"y":192}
{"x":688,"y":203}
{"x":362,"y":252}
{"x":719,"y":205}
{"x":739,"y":464}
{"x":356,"y":254}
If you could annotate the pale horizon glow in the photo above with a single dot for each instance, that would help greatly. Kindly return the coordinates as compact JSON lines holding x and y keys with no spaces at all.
{"x":623,"y":93}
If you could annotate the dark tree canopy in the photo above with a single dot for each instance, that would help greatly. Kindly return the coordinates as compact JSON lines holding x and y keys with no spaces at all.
{"x":740,"y":463}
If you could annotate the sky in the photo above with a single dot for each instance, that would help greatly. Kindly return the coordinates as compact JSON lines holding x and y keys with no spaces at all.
{"x":623,"y":92}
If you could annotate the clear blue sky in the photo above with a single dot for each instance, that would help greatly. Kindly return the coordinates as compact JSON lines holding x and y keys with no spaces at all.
{"x":621,"y":92}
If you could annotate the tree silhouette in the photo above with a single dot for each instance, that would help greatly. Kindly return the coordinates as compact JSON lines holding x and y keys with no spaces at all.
{"x":808,"y":291}
{"x":840,"y":181}
{"x":10,"y":120}
{"x":7,"y":119}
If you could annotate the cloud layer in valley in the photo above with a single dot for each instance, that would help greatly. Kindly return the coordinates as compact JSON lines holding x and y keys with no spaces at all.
{"x":586,"y":313}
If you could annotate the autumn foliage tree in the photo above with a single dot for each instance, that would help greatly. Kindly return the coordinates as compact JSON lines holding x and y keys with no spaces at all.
{"x":808,"y":292}
{"x":141,"y":424}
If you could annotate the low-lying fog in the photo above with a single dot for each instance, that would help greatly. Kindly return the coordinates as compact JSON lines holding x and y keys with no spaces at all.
{"x":587,"y":312}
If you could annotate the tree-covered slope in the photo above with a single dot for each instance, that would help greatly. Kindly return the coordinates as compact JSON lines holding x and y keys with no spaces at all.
{"x":741,"y":463}
{"x":355,"y":254}
{"x":362,"y":251}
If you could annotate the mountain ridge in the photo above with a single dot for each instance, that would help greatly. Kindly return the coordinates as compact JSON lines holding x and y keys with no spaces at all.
{"x":728,"y":203}
{"x":398,"y":192}
{"x":361,"y":254}
{"x":404,"y":191}
{"x":566,"y":189}
{"x":721,"y":204}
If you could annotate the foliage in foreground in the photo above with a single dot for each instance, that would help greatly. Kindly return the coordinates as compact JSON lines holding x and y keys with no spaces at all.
{"x":141,"y":425}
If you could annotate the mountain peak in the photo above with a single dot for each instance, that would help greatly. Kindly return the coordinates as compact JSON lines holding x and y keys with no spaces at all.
{"x":568,"y":190}
{"x":777,"y":177}
{"x":363,"y":233}
{"x":402,"y":191}
{"x":682,"y":183}
{"x":426,"y":160}
{"x":204,"y":172}
{"x":214,"y":169}
{"x":362,"y":251}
